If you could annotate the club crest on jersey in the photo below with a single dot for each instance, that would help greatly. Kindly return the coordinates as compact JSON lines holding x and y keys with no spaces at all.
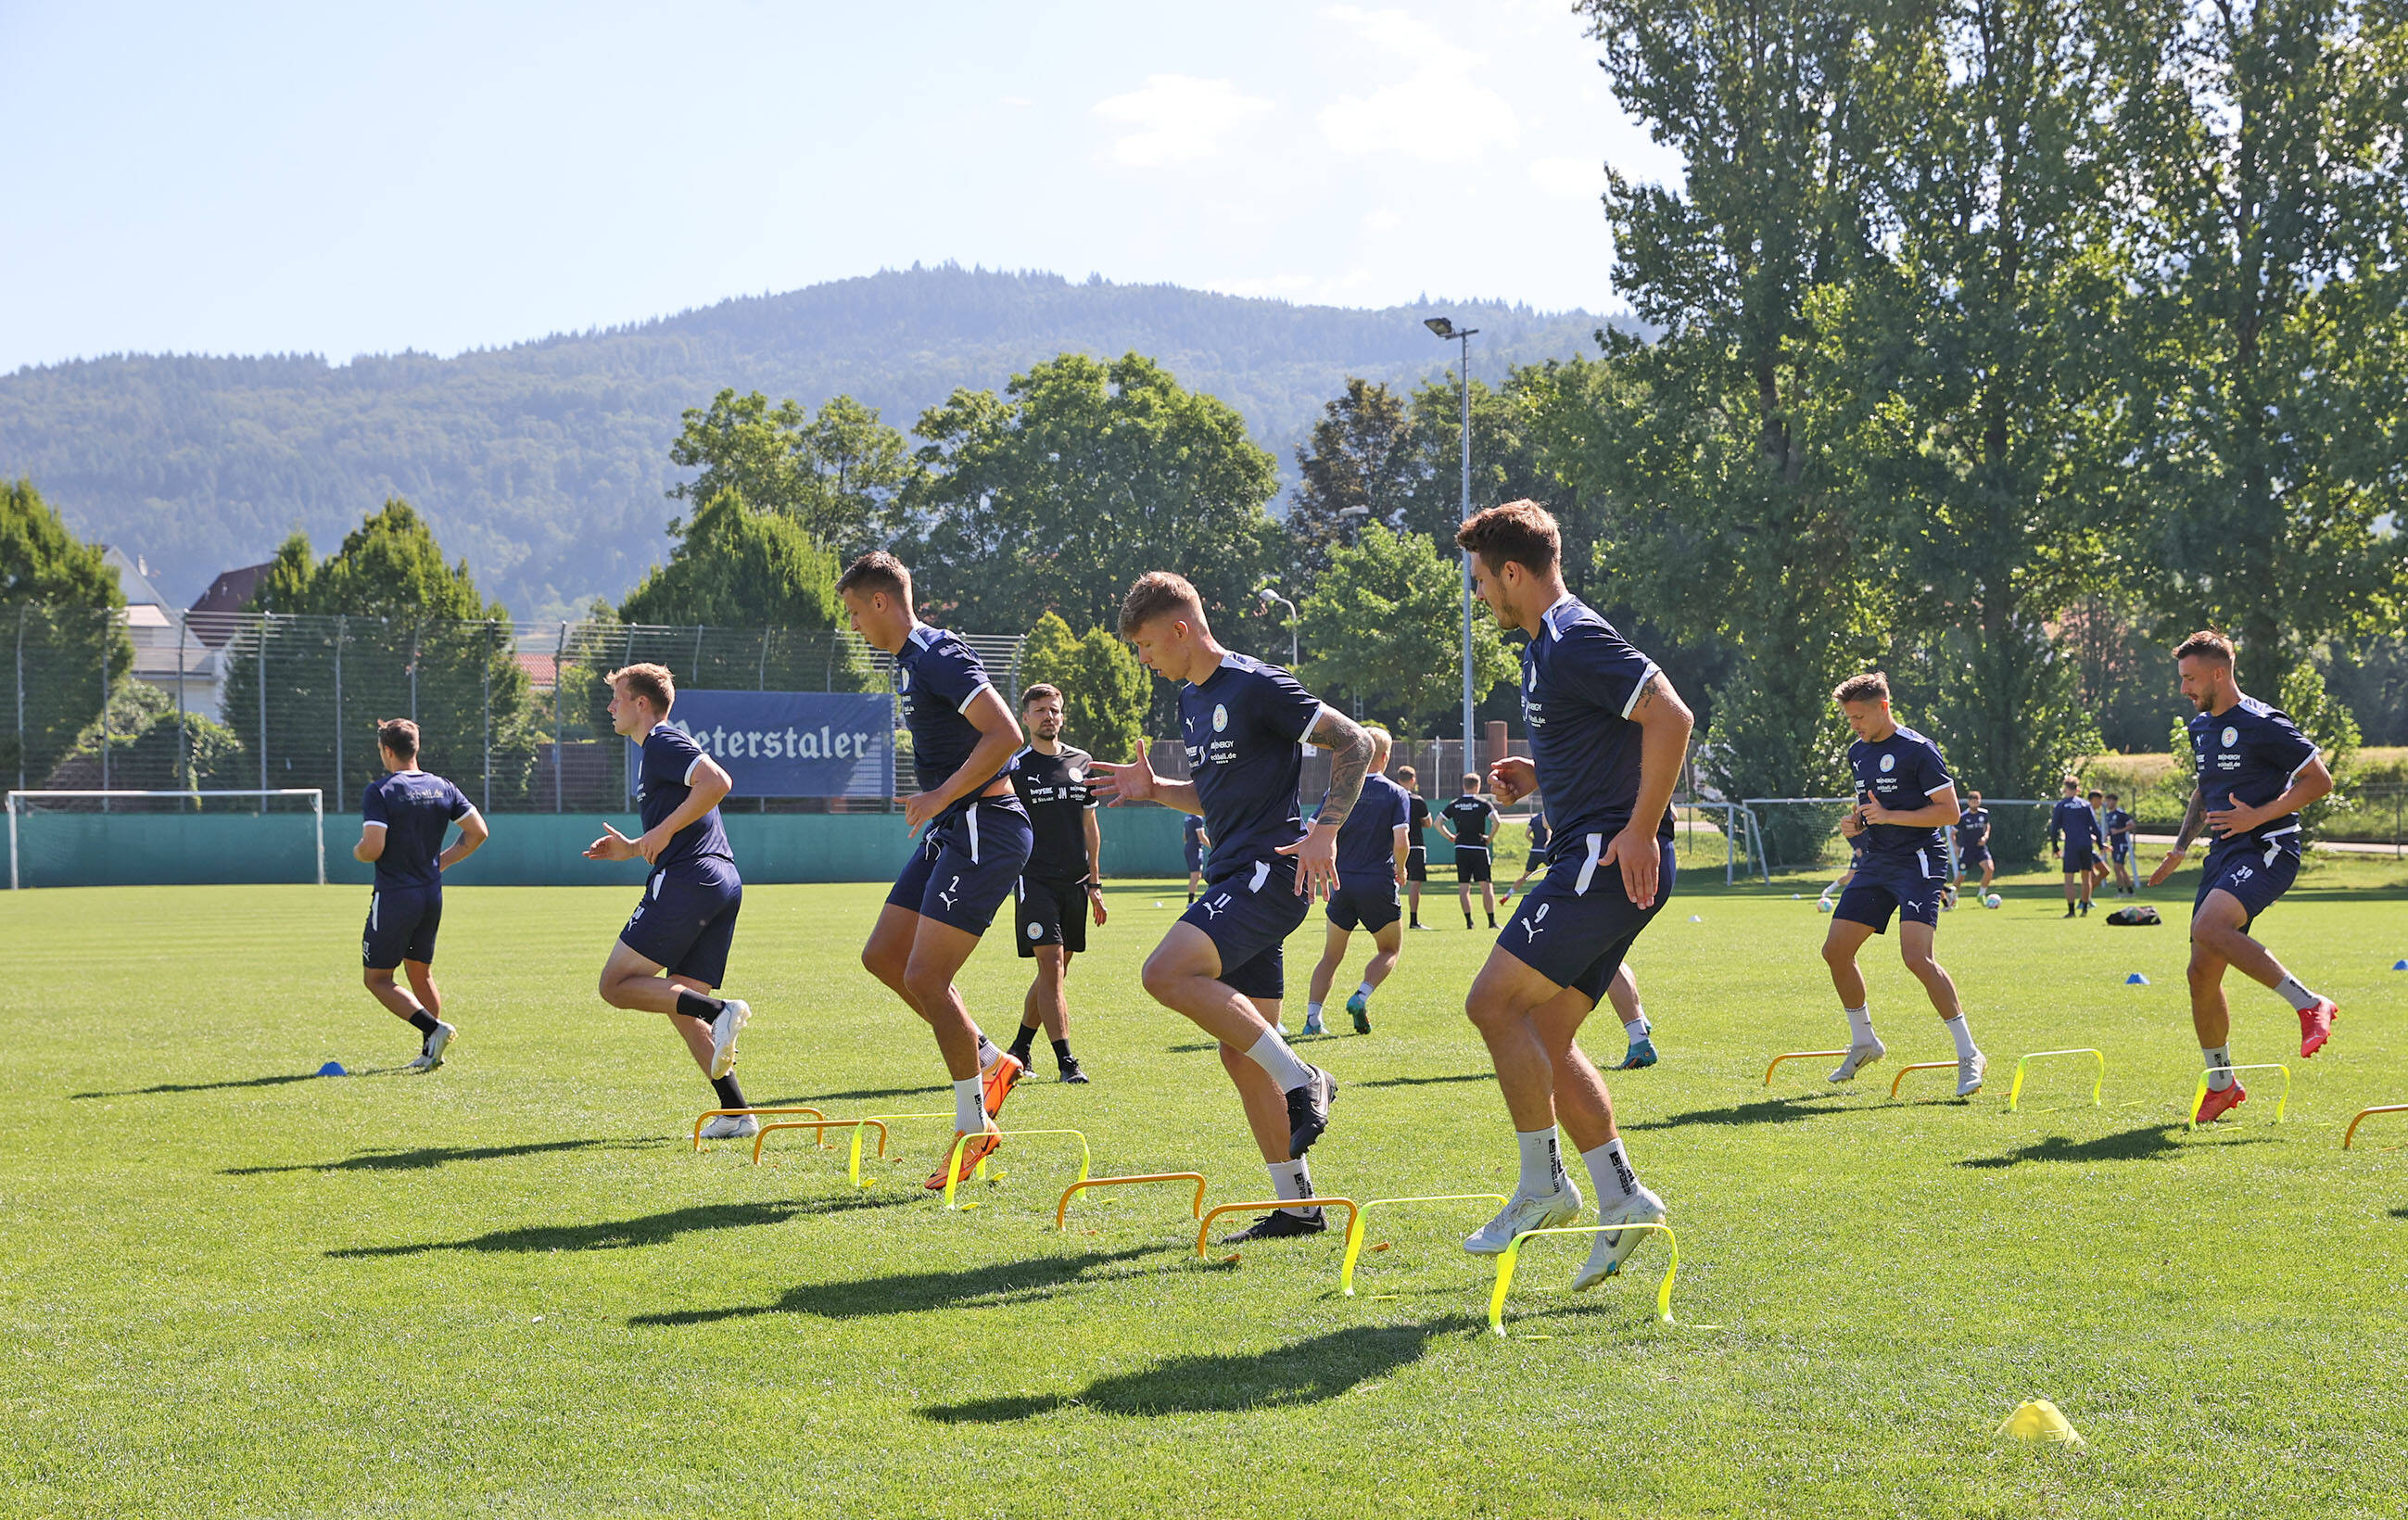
{"x":1220,"y":717}
{"x":2231,"y":735}
{"x":1889,"y":763}
{"x":903,"y":679}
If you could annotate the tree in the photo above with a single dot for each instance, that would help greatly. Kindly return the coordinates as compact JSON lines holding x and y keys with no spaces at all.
{"x":2332,"y":731}
{"x":1360,"y":459}
{"x":1081,"y":477}
{"x":736,"y":567}
{"x":1382,"y":625}
{"x":61,"y":605}
{"x":837,"y":475}
{"x":1104,"y":689}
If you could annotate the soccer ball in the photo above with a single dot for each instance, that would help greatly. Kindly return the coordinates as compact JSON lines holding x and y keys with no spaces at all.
{"x":1822,"y":905}
{"x":1992,"y":900}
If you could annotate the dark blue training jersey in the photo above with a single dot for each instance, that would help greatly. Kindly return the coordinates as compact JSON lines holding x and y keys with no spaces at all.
{"x":1902,"y":773}
{"x":1580,"y":682}
{"x":1367,"y":841}
{"x":2073,"y":820}
{"x":662,"y":786}
{"x":1242,"y":727}
{"x":416,"y":808}
{"x":1538,"y":833}
{"x":2250,"y":753}
{"x":2119,"y":823}
{"x":937,"y":675}
{"x":1973,"y":827}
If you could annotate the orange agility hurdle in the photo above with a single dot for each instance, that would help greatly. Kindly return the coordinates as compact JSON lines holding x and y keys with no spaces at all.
{"x":1797,"y":1055}
{"x":820,"y":1129}
{"x":1194,"y":1210}
{"x":2364,"y":1114}
{"x":709,"y":1114}
{"x":1919,"y":1065}
{"x":1204,"y":1229}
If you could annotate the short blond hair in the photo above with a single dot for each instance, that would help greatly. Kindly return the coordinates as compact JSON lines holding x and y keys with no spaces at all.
{"x":1871,"y":686}
{"x":653,"y":683}
{"x":1159,"y":593}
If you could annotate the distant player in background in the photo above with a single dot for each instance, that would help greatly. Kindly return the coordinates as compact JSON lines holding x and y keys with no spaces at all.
{"x":1371,"y":867}
{"x":1905,"y":797}
{"x":2098,"y":801}
{"x":2256,"y":770}
{"x":2074,"y":835}
{"x":672,"y":956}
{"x":1063,"y":881}
{"x":974,"y":839}
{"x":2119,"y":844}
{"x":1623,"y":993}
{"x":1471,"y":821}
{"x":1417,"y":845}
{"x":403,"y":818}
{"x":1536,"y":859}
{"x":1221,"y":965}
{"x":1973,"y":840}
{"x":1197,"y":841}
{"x":1847,"y":875}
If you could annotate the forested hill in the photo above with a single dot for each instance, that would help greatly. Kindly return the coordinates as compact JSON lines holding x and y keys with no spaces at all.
{"x":545,"y":462}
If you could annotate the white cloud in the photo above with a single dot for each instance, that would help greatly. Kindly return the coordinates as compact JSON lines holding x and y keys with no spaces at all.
{"x":1016,"y":101}
{"x":1434,"y":113}
{"x":1570,"y":179}
{"x":1384,"y":220}
{"x":1177,"y":119}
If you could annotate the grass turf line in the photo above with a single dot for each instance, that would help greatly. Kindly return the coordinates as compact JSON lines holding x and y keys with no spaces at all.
{"x":510,"y":1288}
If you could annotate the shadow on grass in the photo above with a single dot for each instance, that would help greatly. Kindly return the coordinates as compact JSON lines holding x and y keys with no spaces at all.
{"x":911,"y":1293}
{"x":1764,"y":1111}
{"x":2149,"y":1142}
{"x":429,"y":1156}
{"x":1284,"y":1377}
{"x":862,"y":1094}
{"x":1428,"y":1081}
{"x":612,"y":1235}
{"x":277,"y":1081}
{"x":2400,"y":1213}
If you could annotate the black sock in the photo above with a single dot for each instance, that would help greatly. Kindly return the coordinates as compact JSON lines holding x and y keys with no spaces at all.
{"x":1492,"y":920}
{"x":730,"y":1096}
{"x":422,"y":1022}
{"x":1062,"y":1055}
{"x":1417,"y":921}
{"x":694,"y":1005}
{"x":1022,"y":1043}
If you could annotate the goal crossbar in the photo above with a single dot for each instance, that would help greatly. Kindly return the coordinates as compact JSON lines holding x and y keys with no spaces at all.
{"x":17,"y":795}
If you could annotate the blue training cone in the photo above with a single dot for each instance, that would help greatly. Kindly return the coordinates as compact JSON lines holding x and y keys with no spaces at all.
{"x":2399,"y":966}
{"x":333,"y":1069}
{"x":2136,"y":980}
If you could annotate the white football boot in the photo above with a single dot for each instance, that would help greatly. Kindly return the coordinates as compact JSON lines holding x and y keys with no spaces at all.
{"x":430,"y":1054}
{"x":732,"y":1126}
{"x":1969,"y":1072}
{"x":1859,"y":1057}
{"x":1611,"y":1251}
{"x":723,"y":1030}
{"x":1526,"y":1211}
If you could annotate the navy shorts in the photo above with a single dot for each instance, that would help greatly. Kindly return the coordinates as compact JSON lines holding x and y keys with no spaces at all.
{"x":402,"y":921}
{"x":2079,"y":858}
{"x":1363,"y":901}
{"x":1575,"y":927}
{"x":686,"y":922}
{"x":1417,"y":863}
{"x":2123,"y":848}
{"x":1248,"y":916}
{"x":1195,"y":854}
{"x":2256,"y":872}
{"x":1049,"y":914}
{"x":966,"y":866}
{"x":1973,"y":857}
{"x":1873,"y":897}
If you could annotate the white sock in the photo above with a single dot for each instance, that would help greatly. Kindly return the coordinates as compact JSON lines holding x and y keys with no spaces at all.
{"x":1860,"y":1025}
{"x":1364,"y":989}
{"x":2297,"y":995}
{"x":1964,"y":1033}
{"x":1313,"y":1012}
{"x":1609,"y":1170}
{"x":1639,"y":1029}
{"x":1543,"y":1161}
{"x":1290,"y":1179}
{"x":987,"y":1051}
{"x":970,"y":1106}
{"x":1271,"y":1053}
{"x":2219,"y":1056}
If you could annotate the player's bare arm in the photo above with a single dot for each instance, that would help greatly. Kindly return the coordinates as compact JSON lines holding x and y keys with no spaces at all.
{"x":707,"y":785}
{"x":1350,"y":750}
{"x":999,"y":740}
{"x":2194,"y":817}
{"x":1403,"y":849}
{"x":1137,"y":783}
{"x":1664,"y":722}
{"x":473,"y":833}
{"x":371,"y":846}
{"x":2313,"y":782}
{"x":1094,"y":866}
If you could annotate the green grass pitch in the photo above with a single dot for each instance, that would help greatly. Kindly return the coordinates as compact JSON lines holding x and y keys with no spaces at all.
{"x":511,"y":1289}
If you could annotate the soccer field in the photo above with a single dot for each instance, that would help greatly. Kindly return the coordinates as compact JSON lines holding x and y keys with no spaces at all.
{"x":511,"y":1288}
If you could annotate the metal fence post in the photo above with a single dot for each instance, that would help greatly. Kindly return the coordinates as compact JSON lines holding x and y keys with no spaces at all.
{"x":22,"y":612}
{"x":261,"y":670}
{"x":184,"y":738}
{"x":413,"y":672}
{"x":559,"y":718}
{"x":487,"y":661}
{"x":105,"y":632}
{"x":341,"y":628}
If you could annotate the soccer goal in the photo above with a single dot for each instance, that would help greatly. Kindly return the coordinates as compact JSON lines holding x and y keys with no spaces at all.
{"x":123,"y":837}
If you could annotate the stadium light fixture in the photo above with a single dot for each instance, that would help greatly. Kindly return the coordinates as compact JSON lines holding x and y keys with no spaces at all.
{"x":1269,"y":600}
{"x":1448,"y":332}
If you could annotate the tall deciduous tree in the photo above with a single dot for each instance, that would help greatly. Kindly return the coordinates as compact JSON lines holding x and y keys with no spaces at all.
{"x":736,"y":567}
{"x":1383,"y":627}
{"x":60,"y":611}
{"x":1104,"y":689}
{"x":838,"y":474}
{"x":1080,"y":477}
{"x":1359,"y":461}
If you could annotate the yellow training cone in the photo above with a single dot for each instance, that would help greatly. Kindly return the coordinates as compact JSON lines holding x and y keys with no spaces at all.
{"x":2036,"y":1419}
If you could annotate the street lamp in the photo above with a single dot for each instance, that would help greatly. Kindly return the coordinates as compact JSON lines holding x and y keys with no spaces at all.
{"x":1271,"y":599}
{"x":1448,"y":332}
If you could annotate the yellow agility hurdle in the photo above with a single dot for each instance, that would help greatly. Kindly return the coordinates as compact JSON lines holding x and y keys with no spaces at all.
{"x":954,"y":1158}
{"x":1797,"y":1055}
{"x":1512,"y":1253}
{"x":1204,"y":1229}
{"x":1194,"y":1210}
{"x":2016,"y":1091}
{"x":1919,"y":1065}
{"x":2281,"y":1102}
{"x":820,"y":1129}
{"x":2364,"y":1114}
{"x":1355,"y":1227}
{"x":709,"y":1114}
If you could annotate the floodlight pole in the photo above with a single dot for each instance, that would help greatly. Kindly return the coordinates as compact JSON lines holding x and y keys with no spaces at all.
{"x":1268,"y":596}
{"x":1445,"y":328}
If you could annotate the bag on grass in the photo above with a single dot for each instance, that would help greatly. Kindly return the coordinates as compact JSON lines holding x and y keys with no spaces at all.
{"x":2138,"y":913}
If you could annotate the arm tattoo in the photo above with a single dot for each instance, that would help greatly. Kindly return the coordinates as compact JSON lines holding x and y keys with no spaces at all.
{"x":2193,"y":817}
{"x":1647,"y":695}
{"x":1350,"y":761}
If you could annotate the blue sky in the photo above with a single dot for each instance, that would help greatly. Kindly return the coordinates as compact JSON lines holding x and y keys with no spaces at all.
{"x":344,"y":178}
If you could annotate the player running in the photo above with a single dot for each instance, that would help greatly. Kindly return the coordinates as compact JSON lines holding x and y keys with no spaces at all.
{"x":1221,"y":963}
{"x":1371,"y":867}
{"x":1063,"y":881}
{"x":403,"y":818}
{"x":1196,"y":841}
{"x":1536,"y":859}
{"x":673,"y":952}
{"x":974,"y":838}
{"x":2072,"y":822}
{"x":2119,"y":844}
{"x":1973,"y":840}
{"x":2243,"y":750}
{"x":1904,"y":797}
{"x":1607,"y":736}
{"x":1470,"y":821}
{"x":1417,"y":825}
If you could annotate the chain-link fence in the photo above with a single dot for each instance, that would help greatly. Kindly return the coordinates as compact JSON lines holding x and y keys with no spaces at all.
{"x":516,"y":713}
